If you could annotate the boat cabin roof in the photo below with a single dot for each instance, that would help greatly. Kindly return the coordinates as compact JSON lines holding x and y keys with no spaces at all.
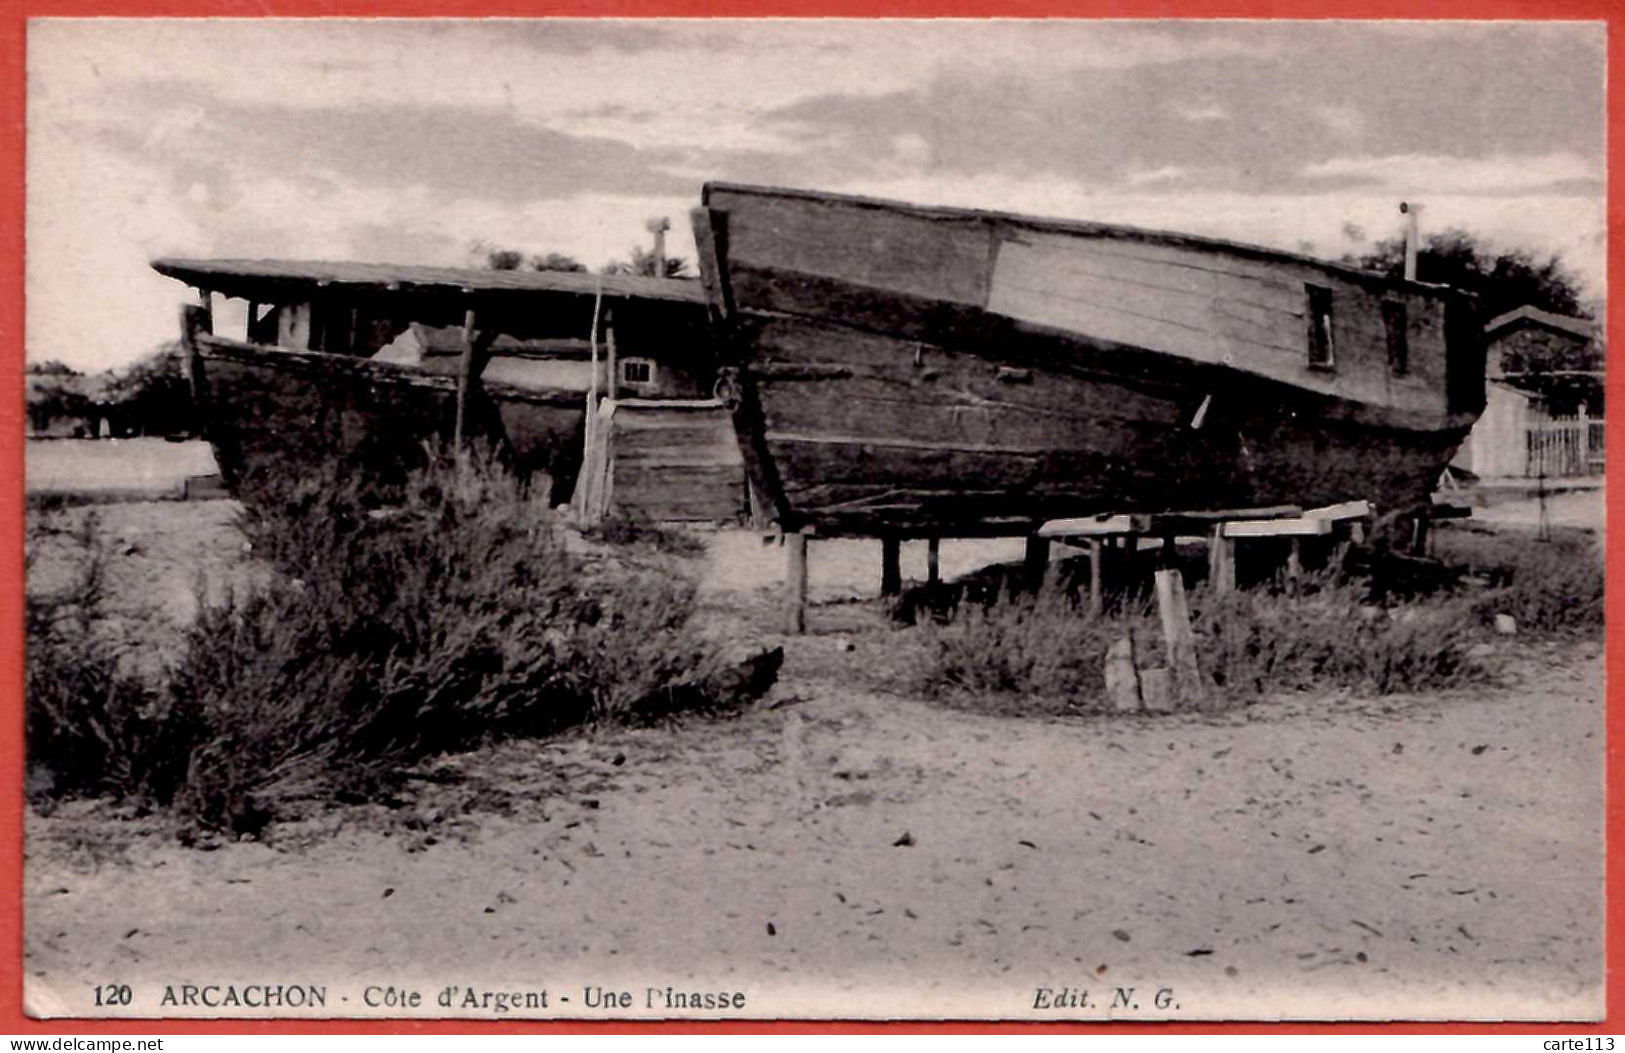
{"x":1070,"y":226}
{"x":274,"y":280}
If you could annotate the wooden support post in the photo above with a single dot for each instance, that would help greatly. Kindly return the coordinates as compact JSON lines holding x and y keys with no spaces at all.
{"x":1170,"y":552}
{"x":1097,"y":552}
{"x":1294,"y":559}
{"x":613,"y":382}
{"x":465,"y":377}
{"x":194,"y":320}
{"x":795,"y":583}
{"x":1035,"y":563}
{"x":933,"y":571}
{"x":1419,"y":535}
{"x":1188,"y":687}
{"x":1221,"y":562}
{"x":891,"y":566}
{"x":206,"y":303}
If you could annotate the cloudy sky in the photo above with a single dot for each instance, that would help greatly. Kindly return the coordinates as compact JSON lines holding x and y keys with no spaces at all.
{"x":410,"y":142}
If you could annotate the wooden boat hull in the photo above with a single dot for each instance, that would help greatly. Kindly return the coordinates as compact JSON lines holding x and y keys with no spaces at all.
{"x":891,"y":381}
{"x":272,"y":413}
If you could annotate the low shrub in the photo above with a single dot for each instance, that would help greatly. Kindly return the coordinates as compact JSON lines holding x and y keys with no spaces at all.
{"x":1550,"y":586}
{"x":1322,"y":632}
{"x":1046,"y":654}
{"x":90,"y":726}
{"x":1038,"y":652}
{"x":388,"y":634}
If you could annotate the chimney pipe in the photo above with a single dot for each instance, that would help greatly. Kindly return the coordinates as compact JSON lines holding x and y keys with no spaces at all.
{"x":658,"y":228}
{"x":1412,"y":237}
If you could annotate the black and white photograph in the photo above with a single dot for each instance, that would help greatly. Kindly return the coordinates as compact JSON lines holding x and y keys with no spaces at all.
{"x":815,"y":519}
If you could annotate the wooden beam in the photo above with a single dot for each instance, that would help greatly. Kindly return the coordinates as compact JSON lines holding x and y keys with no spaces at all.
{"x":1163,"y":523}
{"x":1346,"y":510}
{"x":933,"y":562}
{"x":795,"y":583}
{"x":891,"y":566}
{"x":1301,"y":526}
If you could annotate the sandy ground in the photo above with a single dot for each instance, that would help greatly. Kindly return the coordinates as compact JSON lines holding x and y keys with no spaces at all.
{"x":843,"y":852}
{"x":149,"y":468}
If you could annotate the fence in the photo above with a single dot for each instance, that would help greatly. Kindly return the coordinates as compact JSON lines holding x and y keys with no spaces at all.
{"x":1565,"y":447}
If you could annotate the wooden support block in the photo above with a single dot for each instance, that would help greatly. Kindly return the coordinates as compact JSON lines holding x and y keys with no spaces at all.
{"x":1097,"y":599}
{"x":795,"y":583}
{"x":933,"y":562}
{"x":1188,"y":687}
{"x":1036,"y":561}
{"x":891,"y":566}
{"x":1294,"y":559}
{"x":1221,"y":562}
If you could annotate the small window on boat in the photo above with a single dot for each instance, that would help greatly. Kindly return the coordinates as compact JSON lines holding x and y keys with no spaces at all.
{"x":1322,"y":354}
{"x":637,"y":371}
{"x":1394,"y":323}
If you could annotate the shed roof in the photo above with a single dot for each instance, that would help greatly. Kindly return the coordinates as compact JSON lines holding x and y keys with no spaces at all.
{"x":247,"y":278}
{"x":1531,"y":315}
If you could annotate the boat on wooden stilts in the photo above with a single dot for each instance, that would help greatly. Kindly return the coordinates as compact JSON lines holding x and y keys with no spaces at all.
{"x":900,"y":370}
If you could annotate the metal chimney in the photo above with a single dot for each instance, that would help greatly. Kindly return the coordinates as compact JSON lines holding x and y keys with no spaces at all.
{"x":1412,"y":238}
{"x":658,"y":228}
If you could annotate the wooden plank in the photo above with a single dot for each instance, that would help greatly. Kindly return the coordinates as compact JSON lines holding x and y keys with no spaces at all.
{"x":795,"y":583}
{"x":1095,"y":526}
{"x":1213,"y":278}
{"x":1021,"y":275}
{"x":1159,"y":523}
{"x":1298,"y":526}
{"x":933,"y":561}
{"x":887,"y":251}
{"x":1345,"y":510}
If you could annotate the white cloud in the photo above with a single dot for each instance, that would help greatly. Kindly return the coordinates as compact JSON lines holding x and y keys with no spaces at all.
{"x":1342,"y":120}
{"x":1570,"y":226}
{"x":690,"y":92}
{"x":1435,"y":174}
